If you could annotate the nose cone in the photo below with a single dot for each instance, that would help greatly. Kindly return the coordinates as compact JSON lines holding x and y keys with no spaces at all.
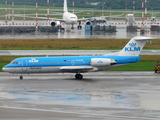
{"x":4,"y":69}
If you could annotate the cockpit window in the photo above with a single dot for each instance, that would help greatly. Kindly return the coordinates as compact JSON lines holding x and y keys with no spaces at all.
{"x":73,"y":17}
{"x":14,"y":63}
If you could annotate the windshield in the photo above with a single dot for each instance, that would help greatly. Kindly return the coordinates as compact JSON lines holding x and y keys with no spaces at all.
{"x":14,"y":63}
{"x":73,"y":17}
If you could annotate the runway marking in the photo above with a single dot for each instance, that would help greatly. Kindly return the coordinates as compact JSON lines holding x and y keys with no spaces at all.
{"x":59,"y":111}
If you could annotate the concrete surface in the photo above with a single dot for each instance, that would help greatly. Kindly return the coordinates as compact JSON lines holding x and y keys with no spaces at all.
{"x":99,"y":96}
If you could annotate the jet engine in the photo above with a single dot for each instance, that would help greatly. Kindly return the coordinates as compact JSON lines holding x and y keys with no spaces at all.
{"x":101,"y":62}
{"x":88,"y":22}
{"x":55,"y":23}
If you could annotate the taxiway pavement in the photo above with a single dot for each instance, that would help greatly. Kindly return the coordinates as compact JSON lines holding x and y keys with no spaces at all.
{"x":99,"y":96}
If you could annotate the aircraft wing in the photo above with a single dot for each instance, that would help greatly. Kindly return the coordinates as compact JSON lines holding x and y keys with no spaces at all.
{"x":76,"y":69}
{"x":61,"y":20}
{"x":84,"y":19}
{"x":113,"y":16}
{"x":44,"y":18}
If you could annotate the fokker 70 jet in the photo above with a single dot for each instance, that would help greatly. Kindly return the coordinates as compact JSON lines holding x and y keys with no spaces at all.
{"x":78,"y":64}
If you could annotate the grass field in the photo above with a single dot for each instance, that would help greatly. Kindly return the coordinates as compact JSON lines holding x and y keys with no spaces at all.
{"x":139,"y":66}
{"x":70,"y":44}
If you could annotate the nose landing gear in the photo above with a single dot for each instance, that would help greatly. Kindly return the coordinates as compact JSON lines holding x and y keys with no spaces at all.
{"x":72,"y":27}
{"x":21,"y":77}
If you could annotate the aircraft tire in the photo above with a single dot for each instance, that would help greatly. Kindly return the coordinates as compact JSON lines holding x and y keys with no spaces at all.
{"x":79,"y":76}
{"x":21,"y":77}
{"x":79,"y":27}
{"x":76,"y":76}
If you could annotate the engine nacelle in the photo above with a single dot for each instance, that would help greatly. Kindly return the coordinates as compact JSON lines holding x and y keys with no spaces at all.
{"x":55,"y":23}
{"x":101,"y":62}
{"x":88,"y":22}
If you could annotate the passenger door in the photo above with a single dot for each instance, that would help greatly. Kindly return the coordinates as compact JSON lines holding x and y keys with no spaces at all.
{"x":24,"y":65}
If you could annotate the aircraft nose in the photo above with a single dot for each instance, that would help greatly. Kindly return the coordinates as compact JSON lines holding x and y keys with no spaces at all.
{"x":4,"y":69}
{"x":74,"y":21}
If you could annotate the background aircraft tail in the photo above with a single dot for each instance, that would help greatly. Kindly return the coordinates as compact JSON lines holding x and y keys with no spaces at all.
{"x":134,"y":46}
{"x":65,"y":9}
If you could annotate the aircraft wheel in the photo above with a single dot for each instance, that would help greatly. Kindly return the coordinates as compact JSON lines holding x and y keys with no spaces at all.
{"x":21,"y":77}
{"x":79,"y":27}
{"x":62,"y":29}
{"x":72,"y":28}
{"x":79,"y":76}
{"x":155,"y":71}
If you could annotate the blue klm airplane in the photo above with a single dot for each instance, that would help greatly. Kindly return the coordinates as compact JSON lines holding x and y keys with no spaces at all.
{"x":78,"y":64}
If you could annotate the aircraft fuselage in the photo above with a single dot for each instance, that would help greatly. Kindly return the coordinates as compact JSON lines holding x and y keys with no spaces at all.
{"x":69,"y":18}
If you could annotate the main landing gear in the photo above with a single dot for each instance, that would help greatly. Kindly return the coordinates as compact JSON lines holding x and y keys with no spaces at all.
{"x":79,"y":26}
{"x":79,"y":76}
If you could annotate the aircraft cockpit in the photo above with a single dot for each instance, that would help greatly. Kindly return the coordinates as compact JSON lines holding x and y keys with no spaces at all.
{"x":15,"y":63}
{"x":73,"y":17}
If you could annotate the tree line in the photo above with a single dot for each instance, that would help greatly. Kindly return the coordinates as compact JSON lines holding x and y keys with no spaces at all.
{"x":106,"y":4}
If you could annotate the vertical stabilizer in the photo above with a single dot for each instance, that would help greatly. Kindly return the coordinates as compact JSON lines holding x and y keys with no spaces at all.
{"x":65,"y":9}
{"x":134,"y":46}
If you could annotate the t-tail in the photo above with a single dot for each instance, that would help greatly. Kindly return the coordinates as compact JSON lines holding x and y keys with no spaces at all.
{"x":134,"y":46}
{"x":65,"y":9}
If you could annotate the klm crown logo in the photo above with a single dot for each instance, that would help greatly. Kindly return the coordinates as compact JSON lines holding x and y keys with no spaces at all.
{"x":100,"y":62}
{"x":33,"y":60}
{"x":132,"y":47}
{"x":132,"y":44}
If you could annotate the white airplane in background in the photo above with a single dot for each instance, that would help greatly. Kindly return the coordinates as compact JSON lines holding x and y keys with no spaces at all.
{"x":68,"y":18}
{"x":78,"y":64}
